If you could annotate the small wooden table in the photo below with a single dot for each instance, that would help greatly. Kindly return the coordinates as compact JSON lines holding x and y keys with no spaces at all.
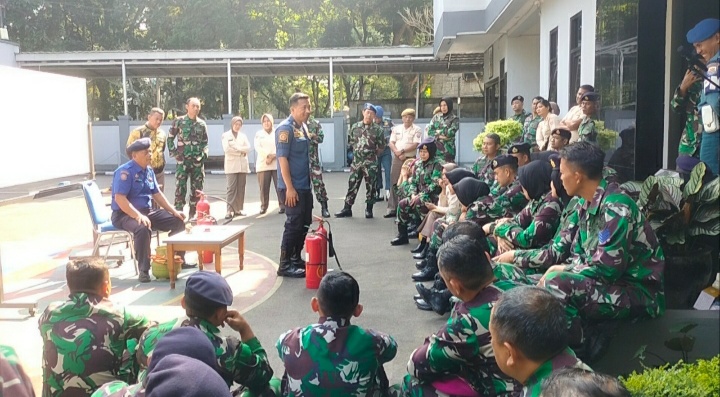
{"x":206,"y":238}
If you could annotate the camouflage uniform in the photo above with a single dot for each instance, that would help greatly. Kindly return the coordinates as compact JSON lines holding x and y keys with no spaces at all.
{"x":14,"y":382}
{"x":316,"y":135}
{"x":366,"y":141}
{"x":188,"y":144}
{"x":501,"y":203}
{"x":587,"y":131}
{"x":687,"y":106}
{"x":532,"y":227}
{"x":530,"y":130}
{"x":616,"y":269}
{"x":244,"y":362}
{"x":335,"y":358}
{"x":461,"y":348}
{"x":120,"y":389}
{"x":424,"y":183}
{"x":566,"y":359}
{"x":447,"y":127}
{"x":483,"y":169}
{"x":520,"y":118}
{"x":84,"y":340}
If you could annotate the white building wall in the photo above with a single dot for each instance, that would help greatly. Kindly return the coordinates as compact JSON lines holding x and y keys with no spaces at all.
{"x":557,"y":14}
{"x":522,"y":61}
{"x":499,"y":52}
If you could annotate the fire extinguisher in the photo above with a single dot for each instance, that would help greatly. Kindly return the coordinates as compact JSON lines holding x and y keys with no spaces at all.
{"x":204,"y":218}
{"x":316,"y":246}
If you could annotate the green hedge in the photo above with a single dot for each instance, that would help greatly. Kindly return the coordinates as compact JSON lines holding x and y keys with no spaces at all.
{"x":606,"y":138}
{"x":701,"y":379}
{"x":508,"y":130}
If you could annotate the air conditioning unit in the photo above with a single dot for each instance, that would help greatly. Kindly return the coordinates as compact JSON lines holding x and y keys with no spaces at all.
{"x":4,"y":34}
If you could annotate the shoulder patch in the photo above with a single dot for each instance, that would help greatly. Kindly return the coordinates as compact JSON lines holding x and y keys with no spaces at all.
{"x":284,"y":137}
{"x":124,"y":175}
{"x":604,"y":236}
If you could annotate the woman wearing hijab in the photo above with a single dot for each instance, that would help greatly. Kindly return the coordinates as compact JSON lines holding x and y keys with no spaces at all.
{"x":443,"y":128}
{"x":423,"y":187}
{"x":535,"y":225}
{"x":236,"y":147}
{"x":537,"y":261}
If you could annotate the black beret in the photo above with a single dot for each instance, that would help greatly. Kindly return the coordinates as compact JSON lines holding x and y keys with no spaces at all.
{"x":555,"y":161}
{"x":520,"y":148}
{"x":563,"y":132}
{"x":591,"y":96}
{"x":138,"y":145}
{"x":518,"y":97}
{"x":210,"y":286}
{"x":504,"y":159}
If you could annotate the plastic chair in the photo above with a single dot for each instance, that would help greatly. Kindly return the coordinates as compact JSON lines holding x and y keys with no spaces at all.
{"x":102,"y":225}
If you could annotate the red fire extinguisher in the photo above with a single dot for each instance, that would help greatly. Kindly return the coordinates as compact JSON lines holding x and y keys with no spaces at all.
{"x":316,"y":246}
{"x":204,"y":218}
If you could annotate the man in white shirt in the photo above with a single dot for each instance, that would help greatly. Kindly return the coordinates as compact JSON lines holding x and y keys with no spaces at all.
{"x":575,"y":115}
{"x":404,"y":140}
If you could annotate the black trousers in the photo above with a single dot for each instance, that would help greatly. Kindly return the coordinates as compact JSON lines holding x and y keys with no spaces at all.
{"x":298,"y":220}
{"x":159,"y":220}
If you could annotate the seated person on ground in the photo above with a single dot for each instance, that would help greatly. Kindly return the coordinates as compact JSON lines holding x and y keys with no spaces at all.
{"x":207,"y":297}
{"x":483,"y":165}
{"x":13,"y":379}
{"x":506,"y":197}
{"x":182,"y":376}
{"x":459,"y":357}
{"x":85,"y":337}
{"x":617,"y":266}
{"x":537,"y":260}
{"x":522,"y":152}
{"x":447,"y":208}
{"x":535,"y":225}
{"x":528,"y":329}
{"x":577,"y":382}
{"x":185,"y":341}
{"x":333,"y":357}
{"x":402,"y":187}
{"x":423,"y":188}
{"x":559,"y":138}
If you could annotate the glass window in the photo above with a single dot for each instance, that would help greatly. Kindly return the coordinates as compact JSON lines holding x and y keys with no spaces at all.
{"x":552,"y":95}
{"x":502,"y":102}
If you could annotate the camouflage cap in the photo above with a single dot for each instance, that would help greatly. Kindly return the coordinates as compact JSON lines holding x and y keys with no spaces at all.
{"x":211,"y":286}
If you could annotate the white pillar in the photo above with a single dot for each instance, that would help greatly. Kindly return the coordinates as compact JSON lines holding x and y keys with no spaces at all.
{"x":124,"y":85}
{"x":417,"y":97}
{"x":332,"y":90}
{"x":250,"y":100}
{"x":229,"y":83}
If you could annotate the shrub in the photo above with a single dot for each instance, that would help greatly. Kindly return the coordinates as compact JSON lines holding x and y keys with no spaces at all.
{"x":508,"y":130}
{"x":701,"y":379}
{"x":606,"y":138}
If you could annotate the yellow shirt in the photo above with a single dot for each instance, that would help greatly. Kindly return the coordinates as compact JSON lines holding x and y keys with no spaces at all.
{"x":158,"y":139}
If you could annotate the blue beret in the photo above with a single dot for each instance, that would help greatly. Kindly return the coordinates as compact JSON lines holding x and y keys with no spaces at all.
{"x":210,"y":286}
{"x":703,"y":30}
{"x":177,"y":375}
{"x":504,"y":159}
{"x":138,"y":145}
{"x":379,"y":112}
{"x":185,"y":341}
{"x":591,"y":96}
{"x":371,"y":107}
{"x":519,"y":148}
{"x":685,"y":164}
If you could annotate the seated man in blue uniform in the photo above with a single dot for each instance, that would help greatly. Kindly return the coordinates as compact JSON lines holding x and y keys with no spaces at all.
{"x":133,"y":189}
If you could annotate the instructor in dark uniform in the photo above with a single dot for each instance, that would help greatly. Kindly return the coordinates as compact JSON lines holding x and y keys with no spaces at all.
{"x":133,"y":189}
{"x":294,"y":189}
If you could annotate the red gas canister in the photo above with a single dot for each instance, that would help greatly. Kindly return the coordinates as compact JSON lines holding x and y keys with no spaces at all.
{"x":207,"y":256}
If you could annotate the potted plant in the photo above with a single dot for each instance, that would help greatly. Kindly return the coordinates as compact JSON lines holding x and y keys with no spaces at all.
{"x":686,"y":219}
{"x":508,"y":130}
{"x":699,"y":379}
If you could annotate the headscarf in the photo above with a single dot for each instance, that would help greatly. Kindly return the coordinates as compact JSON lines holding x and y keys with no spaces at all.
{"x":458,"y":174}
{"x":429,"y":145}
{"x":470,"y":189}
{"x":535,"y":178}
{"x":556,"y":181}
{"x":449,"y":102}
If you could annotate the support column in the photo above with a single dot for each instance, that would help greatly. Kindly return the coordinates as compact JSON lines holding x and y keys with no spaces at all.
{"x":250,"y":100}
{"x":229,"y":83}
{"x":124,"y":85}
{"x":332,"y":90}
{"x":157,"y":92}
{"x":417,"y":97}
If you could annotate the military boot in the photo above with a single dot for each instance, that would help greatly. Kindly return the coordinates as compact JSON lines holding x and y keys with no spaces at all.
{"x":429,"y":271}
{"x":422,"y":254}
{"x":440,"y":301}
{"x":296,"y":258}
{"x":402,"y":236}
{"x":420,"y":247}
{"x":346,"y":212}
{"x":286,"y":269}
{"x":368,"y":211}
{"x":324,"y":210}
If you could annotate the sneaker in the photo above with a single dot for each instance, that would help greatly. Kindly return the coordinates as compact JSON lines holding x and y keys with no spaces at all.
{"x":144,"y":278}
{"x":281,"y":211}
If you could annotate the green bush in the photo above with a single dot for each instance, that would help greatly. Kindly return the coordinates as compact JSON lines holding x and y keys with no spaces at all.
{"x":508,"y":130}
{"x":606,"y":138}
{"x":701,"y":379}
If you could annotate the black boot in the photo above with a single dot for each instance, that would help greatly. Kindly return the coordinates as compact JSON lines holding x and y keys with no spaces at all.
{"x":422,"y":305}
{"x":402,"y":237}
{"x":422,"y":254}
{"x":429,"y":271}
{"x":324,"y":210}
{"x":440,"y":301}
{"x":421,"y":264}
{"x":412,"y":231}
{"x":439,"y":283}
{"x":346,"y":212}
{"x":424,"y":292}
{"x":420,"y":247}
{"x":296,"y":258}
{"x":286,"y":268}
{"x":368,"y":211}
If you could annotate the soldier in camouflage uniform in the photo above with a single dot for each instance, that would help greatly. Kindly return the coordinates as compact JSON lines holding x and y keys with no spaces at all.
{"x":535,"y":225}
{"x":333,"y":357}
{"x":188,"y":144}
{"x":368,"y":141}
{"x":684,"y":103}
{"x":506,"y":197}
{"x":616,"y":268}
{"x":443,"y":127}
{"x":242,"y":360}
{"x":529,"y":337}
{"x":519,"y":112}
{"x":316,"y":136}
{"x":158,"y":139}
{"x":587,"y":130}
{"x":483,"y":165}
{"x":14,"y":382}
{"x":86,"y":337}
{"x":423,"y":188}
{"x":460,"y":352}
{"x":530,"y":125}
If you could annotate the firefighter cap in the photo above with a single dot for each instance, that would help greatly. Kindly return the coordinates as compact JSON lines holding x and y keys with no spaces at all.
{"x":138,"y":145}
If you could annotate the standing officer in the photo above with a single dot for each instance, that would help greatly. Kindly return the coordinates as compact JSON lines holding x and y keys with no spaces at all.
{"x":293,"y":145}
{"x":188,"y":143}
{"x":134,"y":186}
{"x":520,"y":114}
{"x":158,"y":139}
{"x":385,"y":158}
{"x":368,"y":141}
{"x":705,"y":37}
{"x":316,"y":136}
{"x":587,"y":130}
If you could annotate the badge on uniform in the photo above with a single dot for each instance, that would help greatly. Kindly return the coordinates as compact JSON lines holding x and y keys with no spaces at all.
{"x":604,"y":236}
{"x":284,"y":137}
{"x":123,"y":176}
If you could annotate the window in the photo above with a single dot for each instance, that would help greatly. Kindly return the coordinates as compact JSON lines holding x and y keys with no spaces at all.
{"x":502,"y":103}
{"x":552,"y":95}
{"x":491,"y":100}
{"x":575,"y":61}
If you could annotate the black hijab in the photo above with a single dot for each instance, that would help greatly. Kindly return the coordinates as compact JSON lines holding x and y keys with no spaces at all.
{"x":535,"y":178}
{"x":458,"y":174}
{"x":449,"y":102}
{"x":470,"y":189}
{"x":556,"y":181}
